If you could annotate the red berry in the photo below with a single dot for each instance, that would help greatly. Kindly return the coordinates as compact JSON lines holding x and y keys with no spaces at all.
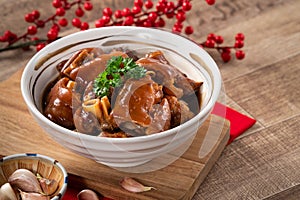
{"x":84,"y":26}
{"x":128,"y":21}
{"x":239,"y":36}
{"x":106,"y":19}
{"x":176,"y":29}
{"x":147,"y":23}
{"x":79,"y":12}
{"x":36,"y":14}
{"x":107,"y":11}
{"x":31,"y":30}
{"x":139,"y":22}
{"x":180,"y":16}
{"x":226,"y":49}
{"x":160,"y":22}
{"x":152,"y":16}
{"x":160,"y":6}
{"x":118,"y":14}
{"x":56,"y":3}
{"x":120,"y":23}
{"x":178,"y":24}
{"x":40,"y":46}
{"x":63,"y":22}
{"x":40,"y":23}
{"x":99,"y":23}
{"x":60,"y":11}
{"x":29,"y":17}
{"x":67,"y":6}
{"x":210,"y":2}
{"x":169,"y":10}
{"x":3,"y":39}
{"x":179,"y":3}
{"x":138,"y":3}
{"x":163,"y":1}
{"x":88,"y":6}
{"x":10,"y":36}
{"x":211,"y":36}
{"x":170,"y":5}
{"x":239,"y":44}
{"x":136,"y":10}
{"x":240,"y":54}
{"x":210,"y":43}
{"x":55,"y":27}
{"x":52,"y":34}
{"x":169,"y":14}
{"x":186,"y":5}
{"x":126,"y":12}
{"x":148,"y":4}
{"x":219,"y":39}
{"x":189,"y":30}
{"x":225,"y":56}
{"x":76,"y":22}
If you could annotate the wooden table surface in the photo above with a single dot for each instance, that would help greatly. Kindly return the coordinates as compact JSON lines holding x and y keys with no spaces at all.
{"x":264,"y":163}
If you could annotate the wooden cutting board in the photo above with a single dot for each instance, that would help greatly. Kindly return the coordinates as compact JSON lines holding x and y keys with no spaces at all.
{"x":19,"y":133}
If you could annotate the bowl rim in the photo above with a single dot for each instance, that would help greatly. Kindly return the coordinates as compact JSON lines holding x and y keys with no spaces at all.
{"x":114,"y":29}
{"x":63,"y":189}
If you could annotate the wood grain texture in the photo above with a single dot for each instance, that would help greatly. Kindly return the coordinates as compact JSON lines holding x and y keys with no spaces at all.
{"x":270,"y":37}
{"x":258,"y":166}
{"x":272,"y":93}
{"x":179,"y":180}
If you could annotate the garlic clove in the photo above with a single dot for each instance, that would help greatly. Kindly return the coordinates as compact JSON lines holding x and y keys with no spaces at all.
{"x":49,"y":186}
{"x":87,"y":194}
{"x":33,"y":196}
{"x":7,"y":193}
{"x":132,"y":185}
{"x":25,"y":180}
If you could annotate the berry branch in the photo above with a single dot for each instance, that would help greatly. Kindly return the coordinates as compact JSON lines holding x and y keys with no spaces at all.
{"x":145,"y":13}
{"x":214,"y":42}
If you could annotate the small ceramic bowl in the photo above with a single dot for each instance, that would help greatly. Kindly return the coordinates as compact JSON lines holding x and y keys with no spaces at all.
{"x":122,"y":152}
{"x":38,"y":164}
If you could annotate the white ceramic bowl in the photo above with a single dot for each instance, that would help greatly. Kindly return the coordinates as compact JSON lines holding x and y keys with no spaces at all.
{"x":122,"y":152}
{"x":45,"y":166}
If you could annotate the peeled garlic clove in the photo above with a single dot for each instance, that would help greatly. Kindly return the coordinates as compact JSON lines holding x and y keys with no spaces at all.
{"x":132,"y":185}
{"x":33,"y":196}
{"x":7,"y":193}
{"x":87,"y":195}
{"x":25,"y":180}
{"x":49,"y":186}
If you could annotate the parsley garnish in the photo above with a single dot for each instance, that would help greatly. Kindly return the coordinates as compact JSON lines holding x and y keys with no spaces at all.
{"x":116,"y":67}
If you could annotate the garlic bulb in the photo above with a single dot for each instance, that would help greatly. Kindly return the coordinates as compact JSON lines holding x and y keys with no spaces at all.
{"x":48,"y":186}
{"x":132,"y":185}
{"x":87,"y":195}
{"x":24,"y":180}
{"x":33,"y":196}
{"x":7,"y":193}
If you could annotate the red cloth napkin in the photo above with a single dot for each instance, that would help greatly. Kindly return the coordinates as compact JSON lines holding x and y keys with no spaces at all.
{"x":239,"y":123}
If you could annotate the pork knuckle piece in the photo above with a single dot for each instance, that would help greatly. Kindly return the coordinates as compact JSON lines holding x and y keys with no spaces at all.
{"x":59,"y":104}
{"x":86,"y":122}
{"x":161,"y":117}
{"x":174,"y":81}
{"x":134,"y":102}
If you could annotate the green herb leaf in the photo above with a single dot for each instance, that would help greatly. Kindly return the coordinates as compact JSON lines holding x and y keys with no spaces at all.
{"x":111,"y":77}
{"x":136,"y":73}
